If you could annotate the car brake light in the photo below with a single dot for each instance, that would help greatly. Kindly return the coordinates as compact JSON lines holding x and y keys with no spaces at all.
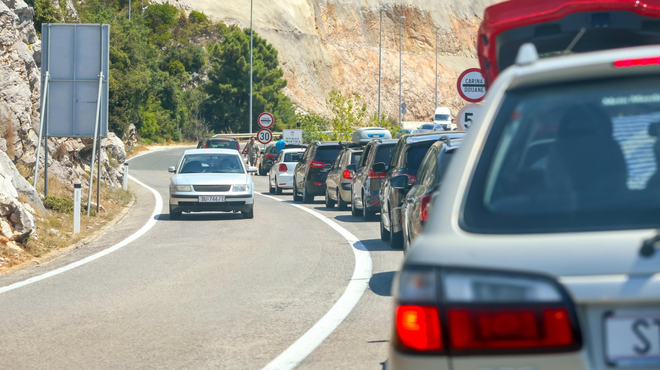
{"x":623,"y":63}
{"x":270,"y":156}
{"x":426,"y":203}
{"x":318,"y":184}
{"x":376,"y":175}
{"x":207,"y":145}
{"x":316,"y":164}
{"x":418,"y":328}
{"x":282,"y":167}
{"x":348,"y":174}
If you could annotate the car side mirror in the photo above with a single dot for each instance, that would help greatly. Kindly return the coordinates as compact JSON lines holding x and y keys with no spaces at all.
{"x":654,"y":129}
{"x":253,"y":170}
{"x":379,"y":167}
{"x":350,"y":167}
{"x":171,"y":169}
{"x":400,"y":182}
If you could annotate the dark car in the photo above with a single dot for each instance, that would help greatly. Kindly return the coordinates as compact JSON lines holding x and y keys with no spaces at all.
{"x":219,"y":143}
{"x":269,"y":154}
{"x":407,"y":157}
{"x":366,"y":184}
{"x":417,"y":206}
{"x":338,"y":184}
{"x":312,"y":171}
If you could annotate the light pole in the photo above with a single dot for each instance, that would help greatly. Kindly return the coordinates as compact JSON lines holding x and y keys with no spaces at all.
{"x":129,"y":10}
{"x":380,"y":60}
{"x":436,"y":68}
{"x":251,"y":63}
{"x":400,"y":61}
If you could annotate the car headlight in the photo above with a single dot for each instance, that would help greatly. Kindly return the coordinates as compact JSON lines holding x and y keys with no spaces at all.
{"x":182,"y":188}
{"x":240,"y":188}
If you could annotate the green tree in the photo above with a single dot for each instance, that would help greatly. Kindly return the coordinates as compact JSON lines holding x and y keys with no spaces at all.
{"x":348,"y":114}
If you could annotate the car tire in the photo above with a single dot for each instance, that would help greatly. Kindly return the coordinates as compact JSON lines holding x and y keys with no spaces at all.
{"x":384,"y":233}
{"x":329,"y":203}
{"x":355,"y":212}
{"x":340,"y":202}
{"x":367,"y":215}
{"x":249,"y":214}
{"x":296,"y":197}
{"x":271,"y":189}
{"x":306,"y":197}
{"x":396,"y":239}
{"x":278,"y":190}
{"x":175,"y":215}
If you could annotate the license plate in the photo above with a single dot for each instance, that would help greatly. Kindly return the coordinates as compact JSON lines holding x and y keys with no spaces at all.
{"x":212,"y":199}
{"x":632,"y":339}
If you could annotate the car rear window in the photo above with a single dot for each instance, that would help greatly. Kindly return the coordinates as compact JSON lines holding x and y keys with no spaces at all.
{"x":384,"y":153}
{"x":426,"y":127}
{"x":292,"y":157}
{"x":571,"y":157}
{"x":415,"y":155}
{"x":223,"y":144}
{"x":355,"y":158}
{"x":328,"y":154}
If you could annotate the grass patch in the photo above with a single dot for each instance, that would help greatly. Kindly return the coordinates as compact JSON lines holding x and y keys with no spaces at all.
{"x":60,"y":205}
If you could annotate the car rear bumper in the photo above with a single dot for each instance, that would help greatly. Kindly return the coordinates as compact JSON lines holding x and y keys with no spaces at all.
{"x":284,"y":181}
{"x":315,"y":187}
{"x":190,"y":203}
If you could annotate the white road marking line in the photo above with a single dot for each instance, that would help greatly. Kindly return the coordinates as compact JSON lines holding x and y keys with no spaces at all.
{"x":151,"y":223}
{"x":307,"y":343}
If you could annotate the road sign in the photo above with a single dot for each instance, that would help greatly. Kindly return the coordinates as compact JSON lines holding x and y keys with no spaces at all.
{"x":467,"y":116}
{"x":293,"y":136}
{"x":472,"y":85}
{"x":265,"y":136}
{"x":266,"y":120}
{"x":404,"y":108}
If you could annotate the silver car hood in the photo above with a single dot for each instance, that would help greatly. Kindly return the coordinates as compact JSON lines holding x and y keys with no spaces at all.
{"x":210,"y":179}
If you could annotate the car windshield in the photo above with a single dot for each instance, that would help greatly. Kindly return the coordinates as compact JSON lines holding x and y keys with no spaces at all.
{"x":384,"y":153}
{"x":292,"y":157}
{"x":442,"y":117}
{"x":415,"y":156}
{"x":426,"y":127}
{"x":328,"y":154}
{"x":212,"y":163}
{"x":571,"y":157}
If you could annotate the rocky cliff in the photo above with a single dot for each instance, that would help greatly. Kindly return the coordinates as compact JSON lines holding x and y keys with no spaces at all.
{"x":327,"y":44}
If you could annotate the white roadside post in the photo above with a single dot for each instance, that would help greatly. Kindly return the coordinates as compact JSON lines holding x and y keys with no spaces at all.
{"x":125,"y":176}
{"x":77,"y":198}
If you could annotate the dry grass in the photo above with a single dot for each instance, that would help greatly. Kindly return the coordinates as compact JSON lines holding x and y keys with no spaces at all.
{"x":8,"y":135}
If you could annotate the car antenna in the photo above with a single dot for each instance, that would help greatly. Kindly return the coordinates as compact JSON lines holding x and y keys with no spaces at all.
{"x":575,"y":40}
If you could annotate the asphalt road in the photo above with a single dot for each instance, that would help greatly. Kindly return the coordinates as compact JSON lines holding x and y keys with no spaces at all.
{"x":208,"y":291}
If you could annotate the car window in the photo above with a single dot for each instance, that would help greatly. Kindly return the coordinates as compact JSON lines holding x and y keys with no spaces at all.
{"x":425,"y":127}
{"x":328,"y":153}
{"x":356,"y":157}
{"x":397,"y":153}
{"x":337,"y":162}
{"x":414,"y":156}
{"x":571,"y":157}
{"x":384,"y":153}
{"x":442,"y":117}
{"x":222,"y":144}
{"x":426,"y":167}
{"x":365,"y":156}
{"x":291,"y":157}
{"x":442,"y":165}
{"x":307,"y":154}
{"x":212,"y":163}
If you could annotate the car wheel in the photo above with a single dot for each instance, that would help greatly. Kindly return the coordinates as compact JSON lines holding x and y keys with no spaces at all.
{"x":367,"y":215}
{"x":384,"y":234}
{"x":355,"y":212}
{"x":249,"y":214}
{"x":271,"y":189}
{"x":278,"y":190}
{"x":307,"y":198}
{"x":340,"y":202}
{"x":396,"y":239}
{"x":296,"y":197}
{"x":175,"y":215}
{"x":329,"y":203}
{"x":406,"y":241}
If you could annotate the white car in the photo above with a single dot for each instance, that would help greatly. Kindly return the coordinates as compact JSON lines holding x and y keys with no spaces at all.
{"x":211,"y":180}
{"x":542,"y":248}
{"x":281,"y":174}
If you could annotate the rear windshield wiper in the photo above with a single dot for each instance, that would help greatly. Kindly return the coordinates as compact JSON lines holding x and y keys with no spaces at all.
{"x":650,"y":246}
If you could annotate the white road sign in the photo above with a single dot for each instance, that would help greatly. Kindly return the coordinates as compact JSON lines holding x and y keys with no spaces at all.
{"x":472,"y":85}
{"x":293,"y":136}
{"x":266,"y":120}
{"x":467,"y":116}
{"x":264,"y":136}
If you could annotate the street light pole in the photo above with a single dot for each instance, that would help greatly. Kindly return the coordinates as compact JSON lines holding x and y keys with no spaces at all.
{"x":251,"y":63}
{"x":436,"y":68}
{"x":380,"y":60}
{"x":129,"y":10}
{"x":400,"y":61}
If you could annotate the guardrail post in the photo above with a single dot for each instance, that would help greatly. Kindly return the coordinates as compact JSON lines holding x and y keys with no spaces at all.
{"x":77,"y":198}
{"x":125,"y":176}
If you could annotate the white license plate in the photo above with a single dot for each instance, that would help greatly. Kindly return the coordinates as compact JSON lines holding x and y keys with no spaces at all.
{"x":632,"y":340}
{"x":212,"y":199}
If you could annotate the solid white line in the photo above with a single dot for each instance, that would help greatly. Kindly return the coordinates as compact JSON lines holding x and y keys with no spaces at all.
{"x":302,"y":347}
{"x":152,"y":221}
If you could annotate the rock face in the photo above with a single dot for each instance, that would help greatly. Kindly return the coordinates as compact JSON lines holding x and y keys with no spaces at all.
{"x":325,"y":44}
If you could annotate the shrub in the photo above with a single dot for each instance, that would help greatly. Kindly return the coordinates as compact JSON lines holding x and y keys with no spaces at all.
{"x":60,"y":205}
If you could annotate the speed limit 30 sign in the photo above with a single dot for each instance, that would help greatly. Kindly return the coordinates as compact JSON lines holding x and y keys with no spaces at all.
{"x":264,"y":136}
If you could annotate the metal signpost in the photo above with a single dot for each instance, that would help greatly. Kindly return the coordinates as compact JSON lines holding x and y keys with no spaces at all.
{"x":76,"y":60}
{"x":472,"y":85}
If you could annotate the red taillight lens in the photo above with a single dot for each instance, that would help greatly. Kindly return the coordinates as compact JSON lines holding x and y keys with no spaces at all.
{"x":426,"y":203}
{"x":418,"y":328}
{"x":270,"y":156}
{"x":637,"y":62}
{"x":316,"y":164}
{"x":411,"y":180}
{"x":348,"y":174}
{"x":509,"y":329}
{"x":282,"y":167}
{"x":376,"y":175}
{"x":207,"y":145}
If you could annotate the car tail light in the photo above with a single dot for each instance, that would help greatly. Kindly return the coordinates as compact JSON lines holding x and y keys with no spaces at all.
{"x":207,"y":145}
{"x":376,"y":175}
{"x":418,"y":327}
{"x":270,"y":156}
{"x":623,"y":63}
{"x":316,"y":164}
{"x":426,"y":204}
{"x":348,"y":174}
{"x":318,"y":184}
{"x":411,"y":180}
{"x":282,"y":167}
{"x":480,"y":313}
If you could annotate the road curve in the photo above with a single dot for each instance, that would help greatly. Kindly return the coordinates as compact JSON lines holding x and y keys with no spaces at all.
{"x":208,"y":291}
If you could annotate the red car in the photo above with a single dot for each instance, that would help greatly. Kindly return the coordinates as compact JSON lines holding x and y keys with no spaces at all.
{"x":554,"y":26}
